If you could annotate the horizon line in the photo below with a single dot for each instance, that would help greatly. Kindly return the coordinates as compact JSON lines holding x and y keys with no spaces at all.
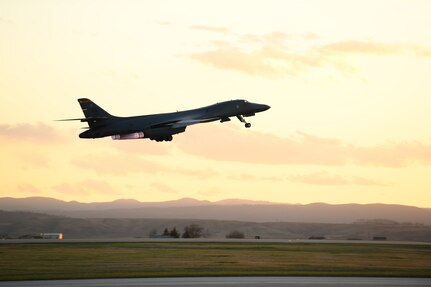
{"x":251,"y":201}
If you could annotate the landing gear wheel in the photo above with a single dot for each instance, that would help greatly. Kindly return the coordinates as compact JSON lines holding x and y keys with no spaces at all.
{"x":241,"y":119}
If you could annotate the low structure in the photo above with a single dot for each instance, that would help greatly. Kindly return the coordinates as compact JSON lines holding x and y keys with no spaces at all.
{"x":58,"y":236}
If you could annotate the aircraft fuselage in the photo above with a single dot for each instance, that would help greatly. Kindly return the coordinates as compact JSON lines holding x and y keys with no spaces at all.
{"x":161,"y":126}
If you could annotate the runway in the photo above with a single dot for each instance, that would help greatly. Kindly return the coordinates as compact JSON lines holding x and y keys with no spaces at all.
{"x":228,"y":281}
{"x":208,"y":240}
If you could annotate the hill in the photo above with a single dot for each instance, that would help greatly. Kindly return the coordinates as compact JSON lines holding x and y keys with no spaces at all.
{"x":15,"y":224}
{"x":232,"y":209}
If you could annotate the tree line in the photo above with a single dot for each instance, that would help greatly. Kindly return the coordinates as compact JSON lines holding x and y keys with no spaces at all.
{"x":190,"y":231}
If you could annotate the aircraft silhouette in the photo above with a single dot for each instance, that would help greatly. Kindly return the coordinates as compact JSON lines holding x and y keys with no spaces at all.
{"x":160,"y":127}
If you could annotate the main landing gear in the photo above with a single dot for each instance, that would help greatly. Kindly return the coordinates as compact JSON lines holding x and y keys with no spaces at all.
{"x":241,"y":119}
{"x":161,"y":139}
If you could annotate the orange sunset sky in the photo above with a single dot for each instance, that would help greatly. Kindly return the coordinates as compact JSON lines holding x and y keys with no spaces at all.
{"x":349,"y":83}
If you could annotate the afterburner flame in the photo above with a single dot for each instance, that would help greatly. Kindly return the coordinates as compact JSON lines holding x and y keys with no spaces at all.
{"x":137,"y":135}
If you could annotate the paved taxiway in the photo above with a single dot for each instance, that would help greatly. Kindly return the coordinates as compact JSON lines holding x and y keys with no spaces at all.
{"x":229,"y":281}
{"x":209,"y":240}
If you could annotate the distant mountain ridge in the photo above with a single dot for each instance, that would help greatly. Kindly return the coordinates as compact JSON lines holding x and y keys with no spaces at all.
{"x":14,"y":224}
{"x":229,"y":209}
{"x":47,"y":203}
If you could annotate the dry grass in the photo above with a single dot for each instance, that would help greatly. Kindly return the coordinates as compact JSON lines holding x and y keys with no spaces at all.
{"x":107,"y":260}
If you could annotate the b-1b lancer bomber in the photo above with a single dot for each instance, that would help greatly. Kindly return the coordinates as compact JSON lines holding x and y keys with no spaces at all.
{"x":160,"y":127}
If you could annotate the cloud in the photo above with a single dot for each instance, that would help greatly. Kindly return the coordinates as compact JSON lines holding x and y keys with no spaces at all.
{"x":243,"y":177}
{"x":199,"y":174}
{"x":222,"y":30}
{"x":317,"y":140}
{"x":248,"y":176}
{"x":210,"y":191}
{"x":234,"y":59}
{"x":86,"y":187}
{"x":324,"y":178}
{"x":32,"y":158}
{"x":233,"y":144}
{"x":164,"y":23}
{"x":123,"y":164}
{"x":28,"y":188}
{"x":34,"y":133}
{"x":393,"y":154}
{"x":383,"y":155}
{"x":163,"y":187}
{"x":275,"y":37}
{"x":118,"y":164}
{"x":362,"y":47}
{"x":374,"y":48}
{"x":98,"y":186}
{"x":6,"y":21}
{"x":141,"y":147}
{"x":278,"y":53}
{"x":268,"y":61}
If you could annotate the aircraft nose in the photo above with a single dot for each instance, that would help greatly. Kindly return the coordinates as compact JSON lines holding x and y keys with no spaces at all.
{"x":263,"y":108}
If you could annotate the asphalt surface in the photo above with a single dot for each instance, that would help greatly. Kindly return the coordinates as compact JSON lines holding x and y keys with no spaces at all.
{"x":217,"y":240}
{"x":229,"y":281}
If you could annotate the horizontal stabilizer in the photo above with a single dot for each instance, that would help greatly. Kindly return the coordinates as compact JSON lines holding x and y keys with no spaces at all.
{"x":64,"y":120}
{"x":84,"y":119}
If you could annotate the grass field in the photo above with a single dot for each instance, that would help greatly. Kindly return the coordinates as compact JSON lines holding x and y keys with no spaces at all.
{"x":166,"y":259}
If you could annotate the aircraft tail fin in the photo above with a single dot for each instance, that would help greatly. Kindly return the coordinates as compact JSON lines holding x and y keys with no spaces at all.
{"x":93,"y":113}
{"x":91,"y":110}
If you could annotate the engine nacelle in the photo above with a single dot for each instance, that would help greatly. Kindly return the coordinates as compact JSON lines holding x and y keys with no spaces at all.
{"x":132,"y":136}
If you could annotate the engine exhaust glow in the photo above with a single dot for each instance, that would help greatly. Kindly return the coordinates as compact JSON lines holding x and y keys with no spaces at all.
{"x":132,"y":136}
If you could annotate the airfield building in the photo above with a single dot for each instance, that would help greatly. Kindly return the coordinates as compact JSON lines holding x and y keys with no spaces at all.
{"x":58,"y":236}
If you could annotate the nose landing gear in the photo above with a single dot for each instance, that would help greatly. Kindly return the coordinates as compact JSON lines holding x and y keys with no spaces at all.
{"x":241,"y":119}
